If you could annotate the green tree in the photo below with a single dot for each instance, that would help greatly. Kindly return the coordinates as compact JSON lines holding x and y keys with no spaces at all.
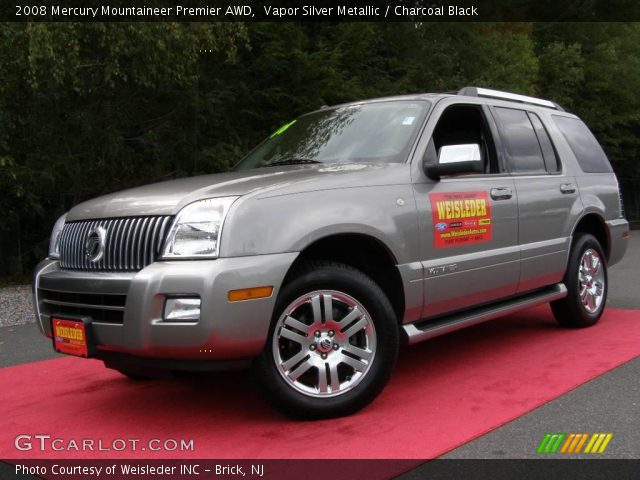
{"x":91,"y":108}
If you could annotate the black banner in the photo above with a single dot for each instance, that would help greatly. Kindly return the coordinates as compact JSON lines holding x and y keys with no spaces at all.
{"x":320,"y":10}
{"x":321,"y":469}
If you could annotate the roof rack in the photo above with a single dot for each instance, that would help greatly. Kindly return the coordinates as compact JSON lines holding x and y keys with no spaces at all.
{"x":514,"y":97}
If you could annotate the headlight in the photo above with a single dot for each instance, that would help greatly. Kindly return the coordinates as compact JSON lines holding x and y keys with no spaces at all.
{"x":195,"y":232}
{"x":54,"y":241}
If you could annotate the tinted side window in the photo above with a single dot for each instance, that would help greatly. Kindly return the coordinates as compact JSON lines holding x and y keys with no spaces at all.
{"x":520,"y":141}
{"x":586,"y":148}
{"x":549,"y":154}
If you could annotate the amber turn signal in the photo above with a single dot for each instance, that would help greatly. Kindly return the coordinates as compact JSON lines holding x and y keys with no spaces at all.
{"x":249,"y":293}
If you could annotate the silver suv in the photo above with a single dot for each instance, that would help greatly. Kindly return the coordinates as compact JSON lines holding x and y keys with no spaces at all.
{"x":347,"y":232}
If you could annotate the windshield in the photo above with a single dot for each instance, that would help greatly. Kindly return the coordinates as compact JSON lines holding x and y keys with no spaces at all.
{"x":381,"y":132}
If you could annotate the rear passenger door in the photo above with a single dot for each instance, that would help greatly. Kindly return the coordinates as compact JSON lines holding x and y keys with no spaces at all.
{"x":546,"y":196}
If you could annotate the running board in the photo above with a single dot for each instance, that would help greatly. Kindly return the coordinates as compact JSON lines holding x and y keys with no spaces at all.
{"x":423,"y":330}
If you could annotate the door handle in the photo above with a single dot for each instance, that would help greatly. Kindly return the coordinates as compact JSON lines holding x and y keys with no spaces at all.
{"x":567,"y":188}
{"x":502,"y":193}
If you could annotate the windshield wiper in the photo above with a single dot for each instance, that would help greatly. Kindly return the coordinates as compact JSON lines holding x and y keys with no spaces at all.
{"x":291,"y":161}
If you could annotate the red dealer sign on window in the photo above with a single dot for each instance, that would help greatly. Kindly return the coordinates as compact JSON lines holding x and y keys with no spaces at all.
{"x":460,"y":218}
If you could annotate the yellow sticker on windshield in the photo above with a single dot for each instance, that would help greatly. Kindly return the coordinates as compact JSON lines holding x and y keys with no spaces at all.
{"x":283,"y":128}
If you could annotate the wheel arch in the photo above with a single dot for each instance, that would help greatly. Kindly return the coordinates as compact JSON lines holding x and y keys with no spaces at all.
{"x":363,"y":252}
{"x":594,"y":224}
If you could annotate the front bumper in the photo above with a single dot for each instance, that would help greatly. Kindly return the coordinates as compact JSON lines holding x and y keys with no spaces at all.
{"x":131,"y":323}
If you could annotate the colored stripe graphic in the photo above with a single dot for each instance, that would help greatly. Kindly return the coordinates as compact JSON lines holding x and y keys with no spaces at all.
{"x":551,"y":443}
{"x":598,"y":443}
{"x":568,"y":442}
{"x":604,"y":445}
{"x":543,"y":443}
{"x":581,"y":442}
{"x":556,"y":445}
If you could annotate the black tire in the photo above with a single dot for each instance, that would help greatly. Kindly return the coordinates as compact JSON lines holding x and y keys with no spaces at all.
{"x":339,"y":278}
{"x":571,"y":311}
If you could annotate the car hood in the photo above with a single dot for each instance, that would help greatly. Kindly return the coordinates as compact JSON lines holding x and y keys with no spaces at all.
{"x":167,"y":198}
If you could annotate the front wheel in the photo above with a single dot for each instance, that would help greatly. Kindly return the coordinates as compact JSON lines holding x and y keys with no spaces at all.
{"x":332,"y":345}
{"x":586,"y":282}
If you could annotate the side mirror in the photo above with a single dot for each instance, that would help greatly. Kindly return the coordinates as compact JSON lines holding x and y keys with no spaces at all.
{"x":455,"y":159}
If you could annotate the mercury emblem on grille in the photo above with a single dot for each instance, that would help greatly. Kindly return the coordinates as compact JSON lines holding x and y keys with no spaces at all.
{"x":95,"y":243}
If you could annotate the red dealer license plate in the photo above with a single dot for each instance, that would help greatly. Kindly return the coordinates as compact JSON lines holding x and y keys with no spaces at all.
{"x":70,"y":336}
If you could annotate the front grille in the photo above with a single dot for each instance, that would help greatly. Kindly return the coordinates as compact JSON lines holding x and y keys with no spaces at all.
{"x":131,"y":243}
{"x":101,"y":308}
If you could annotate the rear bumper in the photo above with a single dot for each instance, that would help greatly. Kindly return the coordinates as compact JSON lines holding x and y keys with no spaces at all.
{"x":134,"y":302}
{"x":618,"y":239}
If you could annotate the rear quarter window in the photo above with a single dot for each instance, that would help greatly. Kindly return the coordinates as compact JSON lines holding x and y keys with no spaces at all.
{"x":584,"y":145}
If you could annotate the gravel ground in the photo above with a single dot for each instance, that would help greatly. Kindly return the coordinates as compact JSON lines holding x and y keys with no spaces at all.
{"x":16,"y":306}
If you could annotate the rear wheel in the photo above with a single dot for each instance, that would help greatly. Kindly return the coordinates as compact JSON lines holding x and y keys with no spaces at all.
{"x":586,"y":281}
{"x":332,"y":345}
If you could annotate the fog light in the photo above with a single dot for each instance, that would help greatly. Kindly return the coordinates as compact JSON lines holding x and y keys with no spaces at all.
{"x":182,"y":310}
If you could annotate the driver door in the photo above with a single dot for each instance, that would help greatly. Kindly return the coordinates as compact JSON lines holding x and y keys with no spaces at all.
{"x":468,"y":221}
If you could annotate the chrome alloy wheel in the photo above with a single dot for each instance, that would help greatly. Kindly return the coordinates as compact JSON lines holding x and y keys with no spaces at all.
{"x":324,"y":343}
{"x":591,"y":280}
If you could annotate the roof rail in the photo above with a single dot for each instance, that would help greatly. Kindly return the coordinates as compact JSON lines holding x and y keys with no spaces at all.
{"x":514,"y":97}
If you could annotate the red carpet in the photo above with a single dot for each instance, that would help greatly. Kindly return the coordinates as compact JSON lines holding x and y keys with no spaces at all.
{"x":444,"y":393}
